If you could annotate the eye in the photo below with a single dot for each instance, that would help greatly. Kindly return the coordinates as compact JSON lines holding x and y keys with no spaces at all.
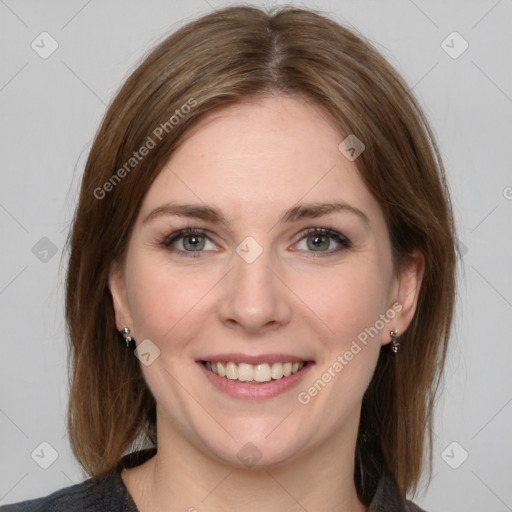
{"x":188,"y":241}
{"x":191,"y":242}
{"x":322,"y":240}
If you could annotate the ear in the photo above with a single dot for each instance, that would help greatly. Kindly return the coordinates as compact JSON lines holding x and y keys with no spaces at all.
{"x":408,"y":285}
{"x":117,"y":286}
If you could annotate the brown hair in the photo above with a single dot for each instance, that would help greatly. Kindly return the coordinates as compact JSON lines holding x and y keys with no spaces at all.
{"x":226,"y":57}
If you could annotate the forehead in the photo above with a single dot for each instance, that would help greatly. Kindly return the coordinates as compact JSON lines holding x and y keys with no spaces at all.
{"x":271,"y":152}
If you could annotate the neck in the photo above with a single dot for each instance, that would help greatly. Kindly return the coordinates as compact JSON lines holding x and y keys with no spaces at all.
{"x":182,"y":477}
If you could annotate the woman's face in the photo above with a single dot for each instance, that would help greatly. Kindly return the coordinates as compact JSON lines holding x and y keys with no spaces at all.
{"x":287,"y":259}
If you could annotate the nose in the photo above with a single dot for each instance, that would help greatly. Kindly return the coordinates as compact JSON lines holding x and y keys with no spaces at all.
{"x":254,"y":299}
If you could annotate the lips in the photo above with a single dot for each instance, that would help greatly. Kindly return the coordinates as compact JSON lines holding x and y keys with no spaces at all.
{"x":254,"y":377}
{"x":254,"y":359}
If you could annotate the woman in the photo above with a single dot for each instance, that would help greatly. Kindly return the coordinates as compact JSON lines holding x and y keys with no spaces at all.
{"x":261,"y":277}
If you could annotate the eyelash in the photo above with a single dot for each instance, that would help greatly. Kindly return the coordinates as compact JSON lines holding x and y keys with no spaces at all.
{"x":343,"y":241}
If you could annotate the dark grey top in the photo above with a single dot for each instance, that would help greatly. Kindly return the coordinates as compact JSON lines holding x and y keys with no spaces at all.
{"x":110,"y":494}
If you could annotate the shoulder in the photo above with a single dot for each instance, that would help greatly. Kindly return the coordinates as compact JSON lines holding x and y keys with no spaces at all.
{"x":92,"y":495}
{"x":88,"y":495}
{"x":411,"y":507}
{"x":388,"y":498}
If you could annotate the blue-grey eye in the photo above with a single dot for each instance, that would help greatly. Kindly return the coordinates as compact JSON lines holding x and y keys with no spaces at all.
{"x":193,"y":242}
{"x":318,"y":242}
{"x":322,"y":240}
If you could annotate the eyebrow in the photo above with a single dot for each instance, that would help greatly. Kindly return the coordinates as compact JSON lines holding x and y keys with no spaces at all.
{"x":299,"y":212}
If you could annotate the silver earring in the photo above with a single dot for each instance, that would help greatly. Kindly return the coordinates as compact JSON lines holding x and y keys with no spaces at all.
{"x":126,"y":336}
{"x":395,"y":341}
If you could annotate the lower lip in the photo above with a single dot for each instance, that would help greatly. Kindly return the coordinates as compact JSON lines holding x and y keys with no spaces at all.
{"x":248,"y":391}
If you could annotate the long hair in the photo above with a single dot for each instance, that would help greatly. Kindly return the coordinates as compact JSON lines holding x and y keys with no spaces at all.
{"x":220,"y":59}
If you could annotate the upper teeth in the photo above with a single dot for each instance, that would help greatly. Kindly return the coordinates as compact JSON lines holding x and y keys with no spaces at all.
{"x":262,"y":372}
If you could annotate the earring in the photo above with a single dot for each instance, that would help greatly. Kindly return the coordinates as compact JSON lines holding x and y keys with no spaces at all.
{"x":126,"y":336}
{"x":395,"y":341}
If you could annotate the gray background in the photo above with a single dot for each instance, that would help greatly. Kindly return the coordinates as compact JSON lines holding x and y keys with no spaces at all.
{"x":50,"y":109}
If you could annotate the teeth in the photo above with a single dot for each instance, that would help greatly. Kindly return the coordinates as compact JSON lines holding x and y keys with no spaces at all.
{"x":231,"y":371}
{"x":263,"y":372}
{"x":277,"y":370}
{"x":245,"y":372}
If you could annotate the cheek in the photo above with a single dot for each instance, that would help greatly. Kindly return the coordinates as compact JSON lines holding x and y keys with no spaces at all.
{"x":348,"y":309}
{"x":163,"y":299}
{"x":347,"y":303}
{"x":346,"y":299}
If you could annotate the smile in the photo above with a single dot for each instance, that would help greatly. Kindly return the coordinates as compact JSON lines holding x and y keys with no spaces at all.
{"x":254,"y":373}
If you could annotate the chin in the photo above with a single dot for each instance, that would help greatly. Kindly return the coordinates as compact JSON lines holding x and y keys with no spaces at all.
{"x":258,"y":448}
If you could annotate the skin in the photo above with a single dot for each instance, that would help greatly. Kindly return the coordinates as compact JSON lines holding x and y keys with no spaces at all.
{"x":253,"y":161}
